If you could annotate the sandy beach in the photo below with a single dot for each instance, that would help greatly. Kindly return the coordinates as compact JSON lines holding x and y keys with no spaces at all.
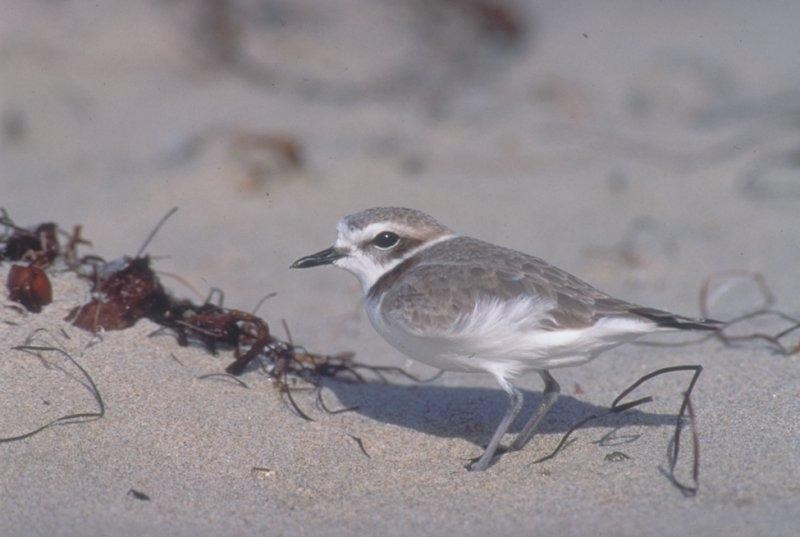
{"x":641,"y":147}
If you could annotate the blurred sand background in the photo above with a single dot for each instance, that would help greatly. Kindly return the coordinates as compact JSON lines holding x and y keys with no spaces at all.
{"x":638,"y":145}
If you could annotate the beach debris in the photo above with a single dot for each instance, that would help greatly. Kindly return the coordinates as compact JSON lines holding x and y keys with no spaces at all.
{"x":227,"y":377}
{"x":70,"y":253}
{"x":617,"y":456}
{"x":87,"y":381}
{"x":360,"y":444}
{"x":722,"y":293}
{"x":29,"y":286}
{"x":124,"y":291}
{"x":611,"y":438}
{"x":264,"y":156}
{"x":733,"y":293}
{"x":745,"y":299}
{"x":674,"y":446}
{"x":749,"y":295}
{"x":38,"y":245}
{"x":128,"y":289}
{"x":262,"y":472}
{"x":138,"y":495}
{"x":214,"y":325}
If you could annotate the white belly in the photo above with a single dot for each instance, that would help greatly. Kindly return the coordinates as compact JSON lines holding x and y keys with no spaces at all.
{"x":499,"y":343}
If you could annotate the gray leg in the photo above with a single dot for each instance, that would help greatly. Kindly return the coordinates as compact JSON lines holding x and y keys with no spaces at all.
{"x":550,"y":394}
{"x":514,"y":406}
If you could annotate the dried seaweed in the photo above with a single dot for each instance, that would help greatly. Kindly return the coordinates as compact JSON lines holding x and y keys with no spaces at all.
{"x":127,"y":289}
{"x":30,"y":286}
{"x":224,"y":376}
{"x":360,"y":444}
{"x":81,"y":417}
{"x":673,"y":450}
{"x":37,"y":245}
{"x":320,"y":403}
{"x":39,"y":248}
{"x":124,"y":291}
{"x":761,"y":309}
{"x":214,"y":325}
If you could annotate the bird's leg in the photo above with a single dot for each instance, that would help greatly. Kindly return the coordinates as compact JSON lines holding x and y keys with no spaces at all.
{"x":514,"y":406}
{"x":550,"y":395}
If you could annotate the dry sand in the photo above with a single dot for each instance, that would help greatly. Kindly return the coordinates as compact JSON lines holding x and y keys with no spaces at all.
{"x":681,"y":116}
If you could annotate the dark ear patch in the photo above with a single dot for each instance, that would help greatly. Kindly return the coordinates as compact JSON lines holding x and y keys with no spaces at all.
{"x":405,"y":245}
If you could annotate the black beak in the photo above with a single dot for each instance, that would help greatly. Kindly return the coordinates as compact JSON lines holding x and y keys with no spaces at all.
{"x":325,"y":257}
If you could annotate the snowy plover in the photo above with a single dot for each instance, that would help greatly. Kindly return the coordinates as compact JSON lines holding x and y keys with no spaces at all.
{"x":461,"y":304}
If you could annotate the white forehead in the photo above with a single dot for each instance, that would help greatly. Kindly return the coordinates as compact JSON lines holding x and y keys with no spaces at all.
{"x":353,"y":236}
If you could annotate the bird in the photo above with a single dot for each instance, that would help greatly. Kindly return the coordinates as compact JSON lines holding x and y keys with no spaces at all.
{"x":458,"y":303}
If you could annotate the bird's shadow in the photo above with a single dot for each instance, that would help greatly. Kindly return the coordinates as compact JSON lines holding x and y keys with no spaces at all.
{"x":473,"y":413}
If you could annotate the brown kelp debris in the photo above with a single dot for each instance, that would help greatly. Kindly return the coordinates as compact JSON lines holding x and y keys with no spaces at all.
{"x":38,"y":247}
{"x":290,"y":366}
{"x":128,"y":289}
{"x":213,"y":325}
{"x":124,"y":291}
{"x":29,"y":286}
{"x":34,"y":250}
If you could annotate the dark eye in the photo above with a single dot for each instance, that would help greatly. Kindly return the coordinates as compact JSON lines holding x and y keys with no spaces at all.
{"x":385,"y":240}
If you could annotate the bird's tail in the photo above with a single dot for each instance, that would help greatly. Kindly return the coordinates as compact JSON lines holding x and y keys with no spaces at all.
{"x":666,"y":319}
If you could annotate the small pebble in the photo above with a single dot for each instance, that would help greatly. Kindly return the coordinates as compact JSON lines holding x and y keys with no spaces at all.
{"x":616,"y":456}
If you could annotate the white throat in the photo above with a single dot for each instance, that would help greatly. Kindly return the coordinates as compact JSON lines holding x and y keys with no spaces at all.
{"x":368,"y":271}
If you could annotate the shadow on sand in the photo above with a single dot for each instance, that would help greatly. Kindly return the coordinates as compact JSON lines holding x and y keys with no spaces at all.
{"x":473,"y":413}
